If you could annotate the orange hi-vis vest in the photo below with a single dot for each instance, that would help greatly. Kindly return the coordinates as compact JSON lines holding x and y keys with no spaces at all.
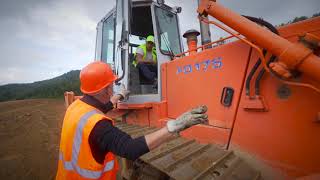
{"x":75,"y":157}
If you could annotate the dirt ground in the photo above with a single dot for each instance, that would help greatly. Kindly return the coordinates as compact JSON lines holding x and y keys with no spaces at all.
{"x":30,"y":136}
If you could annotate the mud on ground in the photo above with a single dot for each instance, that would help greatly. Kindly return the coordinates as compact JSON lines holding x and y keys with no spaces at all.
{"x":30,"y":136}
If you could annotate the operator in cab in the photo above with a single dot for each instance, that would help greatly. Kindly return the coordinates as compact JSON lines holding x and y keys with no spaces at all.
{"x":90,"y":140}
{"x":146,"y":61}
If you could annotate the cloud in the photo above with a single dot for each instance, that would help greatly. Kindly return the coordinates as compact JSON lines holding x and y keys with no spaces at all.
{"x":272,"y":10}
{"x":42,"y":39}
{"x":49,"y":40}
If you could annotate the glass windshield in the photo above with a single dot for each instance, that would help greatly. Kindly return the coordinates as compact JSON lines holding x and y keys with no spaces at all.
{"x":107,"y":40}
{"x":168,"y":30}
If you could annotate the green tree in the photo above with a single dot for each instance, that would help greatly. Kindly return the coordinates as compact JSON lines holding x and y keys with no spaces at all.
{"x":316,"y":14}
{"x":297,"y":19}
{"x":300,"y":18}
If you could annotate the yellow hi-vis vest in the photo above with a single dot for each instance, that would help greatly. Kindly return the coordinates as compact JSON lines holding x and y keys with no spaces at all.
{"x":144,"y":48}
{"x":75,"y":157}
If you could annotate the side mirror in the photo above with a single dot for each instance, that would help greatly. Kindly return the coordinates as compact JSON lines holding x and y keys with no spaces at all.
{"x":177,"y":9}
{"x":160,"y":1}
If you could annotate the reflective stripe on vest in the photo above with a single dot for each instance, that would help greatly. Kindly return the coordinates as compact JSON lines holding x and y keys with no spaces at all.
{"x":73,"y":164}
{"x":144,"y":48}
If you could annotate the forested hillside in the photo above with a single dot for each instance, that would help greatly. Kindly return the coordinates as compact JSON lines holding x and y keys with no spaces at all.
{"x":52,"y":88}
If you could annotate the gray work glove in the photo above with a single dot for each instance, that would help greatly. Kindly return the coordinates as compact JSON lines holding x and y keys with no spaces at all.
{"x":123,"y":92}
{"x":194,"y":116}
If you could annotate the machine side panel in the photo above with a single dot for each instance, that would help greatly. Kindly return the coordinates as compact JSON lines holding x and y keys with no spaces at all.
{"x":201,"y":79}
{"x":287,"y":136}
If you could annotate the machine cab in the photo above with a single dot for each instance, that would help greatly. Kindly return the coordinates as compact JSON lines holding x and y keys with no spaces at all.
{"x":124,"y":29}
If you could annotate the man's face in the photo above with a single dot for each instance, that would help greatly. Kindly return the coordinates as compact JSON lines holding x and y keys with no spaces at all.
{"x":149,"y":45}
{"x":110,"y":90}
{"x":105,"y":94}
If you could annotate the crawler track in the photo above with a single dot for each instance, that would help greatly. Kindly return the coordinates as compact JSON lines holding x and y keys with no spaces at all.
{"x":181,"y":158}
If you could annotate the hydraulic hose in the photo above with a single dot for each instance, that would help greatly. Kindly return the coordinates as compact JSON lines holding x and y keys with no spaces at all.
{"x":257,"y":64}
{"x":260,"y":75}
{"x":249,"y":78}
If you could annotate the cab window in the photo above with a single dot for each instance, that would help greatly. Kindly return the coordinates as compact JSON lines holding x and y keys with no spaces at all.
{"x":107,"y":40}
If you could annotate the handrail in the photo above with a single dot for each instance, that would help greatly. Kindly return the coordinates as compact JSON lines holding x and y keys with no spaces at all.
{"x":203,"y":46}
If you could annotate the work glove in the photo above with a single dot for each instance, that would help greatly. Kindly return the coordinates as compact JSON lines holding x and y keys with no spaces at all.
{"x":194,"y":116}
{"x":123,"y":92}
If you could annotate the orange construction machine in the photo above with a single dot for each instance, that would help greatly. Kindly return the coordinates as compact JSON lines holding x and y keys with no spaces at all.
{"x":262,"y":89}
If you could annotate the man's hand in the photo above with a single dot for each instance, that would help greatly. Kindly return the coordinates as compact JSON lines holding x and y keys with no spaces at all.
{"x":147,"y":62}
{"x":139,"y":58}
{"x":123,"y":92}
{"x":151,"y":62}
{"x":188,"y":119}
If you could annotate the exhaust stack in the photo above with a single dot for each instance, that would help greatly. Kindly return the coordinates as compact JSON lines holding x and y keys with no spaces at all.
{"x":205,"y":32}
{"x":192,"y":40}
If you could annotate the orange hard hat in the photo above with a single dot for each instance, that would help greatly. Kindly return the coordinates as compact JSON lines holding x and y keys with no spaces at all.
{"x":96,"y":76}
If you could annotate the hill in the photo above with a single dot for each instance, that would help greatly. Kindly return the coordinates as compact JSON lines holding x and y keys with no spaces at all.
{"x":51,"y":88}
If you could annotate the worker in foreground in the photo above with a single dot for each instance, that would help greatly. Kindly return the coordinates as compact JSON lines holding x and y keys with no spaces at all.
{"x":146,"y":61}
{"x":90,"y":141}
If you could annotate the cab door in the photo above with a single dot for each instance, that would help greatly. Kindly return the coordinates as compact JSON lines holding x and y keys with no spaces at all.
{"x":166,"y":33}
{"x":105,"y":39}
{"x":121,"y":42}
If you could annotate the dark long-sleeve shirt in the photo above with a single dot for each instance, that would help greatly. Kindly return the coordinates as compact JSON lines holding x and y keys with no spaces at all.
{"x":105,"y":137}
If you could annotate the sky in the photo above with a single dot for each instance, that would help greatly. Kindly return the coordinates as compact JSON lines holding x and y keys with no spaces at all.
{"x":42,"y":39}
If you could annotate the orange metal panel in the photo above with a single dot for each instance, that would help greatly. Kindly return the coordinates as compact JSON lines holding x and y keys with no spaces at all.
{"x":200,"y":79}
{"x":150,"y":115}
{"x":195,"y":80}
{"x":293,"y":30}
{"x":164,"y":81}
{"x":287,"y":136}
{"x":134,"y":106}
{"x":139,"y":117}
{"x":157,"y":112}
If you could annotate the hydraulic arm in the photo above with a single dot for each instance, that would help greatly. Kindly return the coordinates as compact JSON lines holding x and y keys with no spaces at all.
{"x":291,"y":56}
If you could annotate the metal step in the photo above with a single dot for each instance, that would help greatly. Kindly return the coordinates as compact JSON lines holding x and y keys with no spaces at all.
{"x":181,"y":158}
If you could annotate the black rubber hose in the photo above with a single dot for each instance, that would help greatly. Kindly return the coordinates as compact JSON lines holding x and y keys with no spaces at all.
{"x":272,"y":58}
{"x":249,"y":78}
{"x":260,"y":75}
{"x":257,"y":64}
{"x":263,"y":23}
